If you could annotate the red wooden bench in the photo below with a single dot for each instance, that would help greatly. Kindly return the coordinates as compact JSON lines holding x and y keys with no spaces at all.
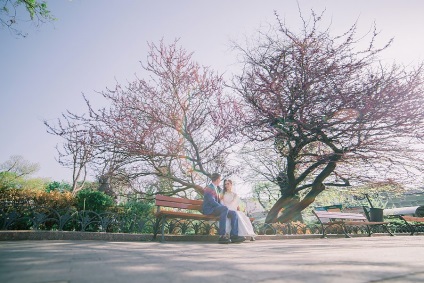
{"x":181,"y":208}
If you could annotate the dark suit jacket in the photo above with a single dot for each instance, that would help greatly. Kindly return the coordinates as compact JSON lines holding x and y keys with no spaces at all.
{"x":210,"y":200}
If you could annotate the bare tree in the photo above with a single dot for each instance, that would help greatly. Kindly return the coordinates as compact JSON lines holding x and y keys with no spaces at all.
{"x":77,"y":150}
{"x":334,"y":112}
{"x":17,"y":165}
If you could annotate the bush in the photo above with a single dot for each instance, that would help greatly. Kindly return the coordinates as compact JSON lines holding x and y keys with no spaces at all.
{"x":93,"y":200}
{"x":31,"y":206}
{"x":58,"y":186}
{"x":141,"y":209}
{"x":135,"y":217}
{"x":8,"y":180}
{"x":36,"y":197}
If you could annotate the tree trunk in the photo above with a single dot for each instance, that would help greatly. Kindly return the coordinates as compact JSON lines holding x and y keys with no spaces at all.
{"x":275,"y":209}
{"x":105,"y":186}
{"x":283,"y":203}
{"x":291,"y":207}
{"x":290,"y":213}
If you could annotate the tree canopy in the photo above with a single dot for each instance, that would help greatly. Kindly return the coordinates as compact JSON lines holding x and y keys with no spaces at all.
{"x":174,"y":125}
{"x":334,"y":112}
{"x":322,"y":109}
{"x":13,"y":12}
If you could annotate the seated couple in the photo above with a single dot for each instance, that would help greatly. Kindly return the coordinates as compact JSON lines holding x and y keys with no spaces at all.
{"x":225,"y":206}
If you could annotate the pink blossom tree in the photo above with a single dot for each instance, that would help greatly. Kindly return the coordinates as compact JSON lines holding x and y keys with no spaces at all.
{"x":176,"y":125}
{"x":335,"y":114}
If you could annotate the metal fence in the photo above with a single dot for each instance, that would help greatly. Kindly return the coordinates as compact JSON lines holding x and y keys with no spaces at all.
{"x":24,"y":217}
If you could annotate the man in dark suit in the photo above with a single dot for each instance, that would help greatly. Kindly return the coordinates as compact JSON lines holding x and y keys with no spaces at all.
{"x":211,"y":206}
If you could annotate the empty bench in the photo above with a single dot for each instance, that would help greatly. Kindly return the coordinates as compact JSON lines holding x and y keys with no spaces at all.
{"x":411,"y":216}
{"x":342,"y":220}
{"x":181,"y":208}
{"x":412,"y":222}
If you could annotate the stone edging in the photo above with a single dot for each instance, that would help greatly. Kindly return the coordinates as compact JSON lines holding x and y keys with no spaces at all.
{"x":14,"y":235}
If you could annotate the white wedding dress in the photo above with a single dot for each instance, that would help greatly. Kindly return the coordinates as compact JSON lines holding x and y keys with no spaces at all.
{"x":245,"y":228}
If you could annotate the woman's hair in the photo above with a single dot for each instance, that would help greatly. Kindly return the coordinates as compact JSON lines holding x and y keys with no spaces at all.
{"x":225,"y":189}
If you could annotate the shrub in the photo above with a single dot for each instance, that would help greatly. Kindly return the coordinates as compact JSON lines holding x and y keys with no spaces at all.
{"x":141,"y":209}
{"x":36,"y":197}
{"x":93,"y":200}
{"x":58,"y":186}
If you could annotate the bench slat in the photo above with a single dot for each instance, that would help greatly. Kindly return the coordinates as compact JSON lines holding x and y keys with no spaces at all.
{"x":179,"y":205}
{"x":339,"y":215}
{"x":177,"y":214}
{"x":413,"y":218}
{"x":178,"y":200}
{"x":364,"y":223}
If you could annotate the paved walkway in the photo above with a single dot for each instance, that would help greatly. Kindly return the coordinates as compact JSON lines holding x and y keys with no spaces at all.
{"x":363,"y":259}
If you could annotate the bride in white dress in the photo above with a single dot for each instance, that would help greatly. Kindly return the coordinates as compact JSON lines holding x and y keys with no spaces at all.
{"x":231,"y":200}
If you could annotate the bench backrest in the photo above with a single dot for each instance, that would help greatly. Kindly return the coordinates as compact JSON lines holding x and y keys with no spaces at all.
{"x":181,"y":203}
{"x":412,"y":218}
{"x":325,"y":216}
{"x":355,"y":209}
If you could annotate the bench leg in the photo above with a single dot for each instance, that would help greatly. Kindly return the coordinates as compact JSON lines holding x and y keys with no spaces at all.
{"x":411,"y":228}
{"x":163,"y":220}
{"x":369,"y":231}
{"x":345,"y":232}
{"x":156,"y":228}
{"x":384,"y":227}
{"x":160,"y":223}
{"x":323,"y":232}
{"x":388,"y":230}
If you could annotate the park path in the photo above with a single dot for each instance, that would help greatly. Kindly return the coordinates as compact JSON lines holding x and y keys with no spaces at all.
{"x":359,"y":259}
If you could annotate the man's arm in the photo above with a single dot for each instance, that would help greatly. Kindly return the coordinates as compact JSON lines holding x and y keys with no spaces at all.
{"x":209,"y":197}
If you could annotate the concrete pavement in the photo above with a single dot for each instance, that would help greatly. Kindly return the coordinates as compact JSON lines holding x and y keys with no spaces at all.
{"x":359,"y":259}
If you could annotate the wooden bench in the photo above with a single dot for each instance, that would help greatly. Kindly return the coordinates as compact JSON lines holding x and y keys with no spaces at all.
{"x":181,"y":208}
{"x":342,"y":219}
{"x":411,"y":215}
{"x":412,"y":222}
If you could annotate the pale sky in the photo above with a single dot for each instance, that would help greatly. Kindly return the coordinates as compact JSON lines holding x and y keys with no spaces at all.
{"x":95,"y":43}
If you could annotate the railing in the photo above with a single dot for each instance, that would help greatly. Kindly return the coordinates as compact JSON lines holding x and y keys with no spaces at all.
{"x":25,"y":217}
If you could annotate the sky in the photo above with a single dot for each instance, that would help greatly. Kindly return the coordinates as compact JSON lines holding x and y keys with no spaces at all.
{"x":94,"y":44}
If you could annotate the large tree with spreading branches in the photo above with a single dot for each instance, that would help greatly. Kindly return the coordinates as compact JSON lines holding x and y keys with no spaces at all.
{"x":175,"y":125}
{"x":335,"y":113}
